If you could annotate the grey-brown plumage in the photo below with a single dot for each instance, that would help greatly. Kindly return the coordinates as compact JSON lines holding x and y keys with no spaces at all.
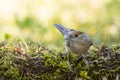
{"x":76,"y":42}
{"x":79,"y":43}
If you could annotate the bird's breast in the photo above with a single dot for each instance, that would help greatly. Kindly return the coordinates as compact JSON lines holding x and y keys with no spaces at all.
{"x":77,"y":46}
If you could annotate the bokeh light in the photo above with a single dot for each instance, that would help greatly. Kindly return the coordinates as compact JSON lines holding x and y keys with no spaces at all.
{"x":34,"y":19}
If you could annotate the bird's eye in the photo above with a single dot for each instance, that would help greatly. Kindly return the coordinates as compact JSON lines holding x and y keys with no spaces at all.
{"x":76,"y":35}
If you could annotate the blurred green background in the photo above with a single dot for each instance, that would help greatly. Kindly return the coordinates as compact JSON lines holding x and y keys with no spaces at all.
{"x":34,"y":19}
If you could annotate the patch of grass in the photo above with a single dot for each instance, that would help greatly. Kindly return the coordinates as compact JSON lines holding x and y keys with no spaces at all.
{"x":49,"y":63}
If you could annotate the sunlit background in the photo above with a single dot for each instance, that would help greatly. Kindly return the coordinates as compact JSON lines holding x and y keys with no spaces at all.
{"x":34,"y":19}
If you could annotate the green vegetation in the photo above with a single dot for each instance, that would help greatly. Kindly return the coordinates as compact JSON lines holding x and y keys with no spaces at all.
{"x":33,"y":49}
{"x":44,"y":63}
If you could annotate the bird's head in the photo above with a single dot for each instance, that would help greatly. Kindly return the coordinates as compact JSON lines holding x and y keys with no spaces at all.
{"x":68,"y":33}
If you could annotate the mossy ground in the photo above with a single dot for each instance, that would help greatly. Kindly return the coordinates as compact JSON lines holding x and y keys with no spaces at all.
{"x":39,"y":62}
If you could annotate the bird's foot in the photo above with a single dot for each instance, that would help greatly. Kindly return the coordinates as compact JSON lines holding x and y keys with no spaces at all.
{"x":69,"y":66}
{"x":85,"y":60}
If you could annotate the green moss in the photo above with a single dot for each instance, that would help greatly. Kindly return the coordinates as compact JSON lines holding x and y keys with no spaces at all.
{"x":46,"y":63}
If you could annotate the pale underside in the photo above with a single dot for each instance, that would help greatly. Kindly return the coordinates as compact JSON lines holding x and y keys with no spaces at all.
{"x":78,"y":46}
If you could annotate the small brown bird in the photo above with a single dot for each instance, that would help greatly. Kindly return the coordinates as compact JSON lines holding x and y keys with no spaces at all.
{"x":76,"y":42}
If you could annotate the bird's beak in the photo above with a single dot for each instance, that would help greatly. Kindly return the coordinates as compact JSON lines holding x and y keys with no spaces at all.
{"x":62,"y":29}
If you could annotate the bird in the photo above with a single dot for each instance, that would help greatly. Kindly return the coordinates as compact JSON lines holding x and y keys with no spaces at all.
{"x":76,"y":42}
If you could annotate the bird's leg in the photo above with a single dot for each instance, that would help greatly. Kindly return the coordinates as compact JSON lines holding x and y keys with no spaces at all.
{"x":85,"y":60}
{"x":68,"y":62}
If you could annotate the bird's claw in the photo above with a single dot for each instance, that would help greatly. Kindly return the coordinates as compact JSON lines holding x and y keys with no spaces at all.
{"x":69,"y":66}
{"x":85,"y":61}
